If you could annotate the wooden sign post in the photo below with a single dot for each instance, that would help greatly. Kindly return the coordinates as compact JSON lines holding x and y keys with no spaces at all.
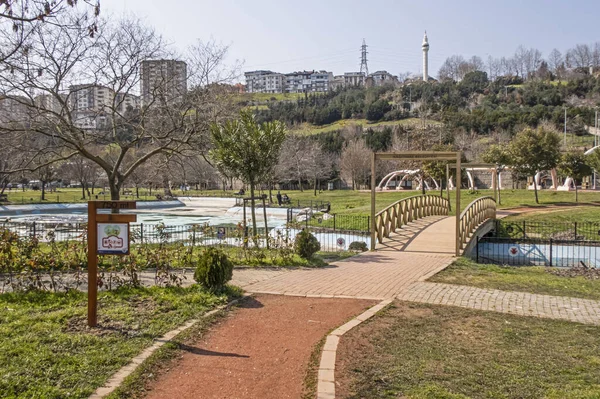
{"x":108,"y":234}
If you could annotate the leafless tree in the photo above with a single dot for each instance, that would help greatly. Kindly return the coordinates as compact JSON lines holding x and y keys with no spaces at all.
{"x":83,"y":171}
{"x":555,"y":62}
{"x":208,"y":61}
{"x":355,"y":162}
{"x":63,"y":55}
{"x":294,"y":160}
{"x":20,"y":18}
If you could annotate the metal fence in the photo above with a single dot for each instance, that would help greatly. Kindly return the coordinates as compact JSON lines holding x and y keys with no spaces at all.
{"x":331,"y":239}
{"x":316,"y":206}
{"x":538,"y":252}
{"x":578,"y":231}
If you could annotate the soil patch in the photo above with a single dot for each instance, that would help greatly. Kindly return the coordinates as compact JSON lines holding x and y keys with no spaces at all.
{"x":586,"y":272}
{"x":261,"y":350}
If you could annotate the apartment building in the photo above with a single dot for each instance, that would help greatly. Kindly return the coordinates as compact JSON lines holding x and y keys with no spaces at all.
{"x":165,"y":80}
{"x":381,"y":78}
{"x":354,"y":78}
{"x":123,"y":101}
{"x":265,"y":82}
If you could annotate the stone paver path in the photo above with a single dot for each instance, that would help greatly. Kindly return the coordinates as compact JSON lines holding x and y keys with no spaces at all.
{"x":371,"y":275}
{"x":519,"y":303}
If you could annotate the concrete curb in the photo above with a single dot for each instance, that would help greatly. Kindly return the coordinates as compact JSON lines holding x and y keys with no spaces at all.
{"x":117,"y":379}
{"x":326,"y":376}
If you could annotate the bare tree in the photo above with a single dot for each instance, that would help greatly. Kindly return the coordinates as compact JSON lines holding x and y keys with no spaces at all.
{"x":64,"y":56}
{"x":208,"y":60}
{"x":20,"y":18}
{"x":555,"y":62}
{"x":83,"y":171}
{"x":581,"y":56}
{"x":355,"y":162}
{"x":294,"y":160}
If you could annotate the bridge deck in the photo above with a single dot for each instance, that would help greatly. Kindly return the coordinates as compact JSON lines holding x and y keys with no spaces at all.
{"x":433,"y":235}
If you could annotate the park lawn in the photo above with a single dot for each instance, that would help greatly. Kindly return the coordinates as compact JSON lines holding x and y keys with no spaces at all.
{"x":69,"y":195}
{"x":47,"y":351}
{"x":359,"y":202}
{"x":421,"y":351}
{"x":569,"y":214}
{"x":309,"y":129}
{"x":533,"y":279}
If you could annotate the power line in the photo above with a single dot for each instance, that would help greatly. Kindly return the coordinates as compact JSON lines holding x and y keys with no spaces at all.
{"x":364,"y":68}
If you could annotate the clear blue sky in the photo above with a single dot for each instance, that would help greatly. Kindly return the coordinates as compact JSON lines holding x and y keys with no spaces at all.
{"x":294,"y":35}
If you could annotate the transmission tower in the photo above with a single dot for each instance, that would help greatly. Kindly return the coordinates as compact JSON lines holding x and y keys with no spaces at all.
{"x":363,"y":59}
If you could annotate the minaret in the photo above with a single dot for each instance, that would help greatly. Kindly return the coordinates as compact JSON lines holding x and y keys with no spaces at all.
{"x":425,"y":61}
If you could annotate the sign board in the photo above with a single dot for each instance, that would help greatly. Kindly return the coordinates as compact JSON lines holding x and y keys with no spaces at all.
{"x":113,"y":238}
{"x":115,"y":205}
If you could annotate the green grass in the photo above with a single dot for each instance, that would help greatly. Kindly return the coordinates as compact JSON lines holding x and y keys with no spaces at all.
{"x":578,"y":214}
{"x":308,"y":129}
{"x":69,"y":195}
{"x":422,"y":351}
{"x":266,"y":97}
{"x":534,"y":279}
{"x":47,"y":351}
{"x":358,"y":202}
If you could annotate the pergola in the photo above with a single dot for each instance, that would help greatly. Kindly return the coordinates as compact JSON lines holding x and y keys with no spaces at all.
{"x":470,"y":165}
{"x":423,"y":156}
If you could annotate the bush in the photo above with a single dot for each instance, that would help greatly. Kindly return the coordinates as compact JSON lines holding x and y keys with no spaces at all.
{"x":214,"y":269}
{"x":358,"y":246}
{"x":306,"y":245}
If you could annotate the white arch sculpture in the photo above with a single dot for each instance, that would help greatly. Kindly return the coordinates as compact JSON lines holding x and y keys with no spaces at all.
{"x":472,"y":179}
{"x":569,"y":185}
{"x":538,"y":178}
{"x":406,"y":174}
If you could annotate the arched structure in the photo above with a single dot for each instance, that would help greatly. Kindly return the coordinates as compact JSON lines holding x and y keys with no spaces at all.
{"x":406,"y":175}
{"x":541,"y":174}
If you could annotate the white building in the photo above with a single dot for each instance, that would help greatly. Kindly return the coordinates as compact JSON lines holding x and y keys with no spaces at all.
{"x":125,"y":100}
{"x":320,"y":81}
{"x":308,"y":82}
{"x":264,"y":82}
{"x":354,"y":78}
{"x":90,"y":97}
{"x":381,"y":78}
{"x":163,"y":79}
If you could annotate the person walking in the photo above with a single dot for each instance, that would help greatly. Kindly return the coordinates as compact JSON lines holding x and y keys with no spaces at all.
{"x":279,"y":198}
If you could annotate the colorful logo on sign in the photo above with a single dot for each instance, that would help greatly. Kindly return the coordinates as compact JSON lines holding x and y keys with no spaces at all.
{"x":341,"y":242}
{"x":112,"y":239}
{"x":513,"y":251}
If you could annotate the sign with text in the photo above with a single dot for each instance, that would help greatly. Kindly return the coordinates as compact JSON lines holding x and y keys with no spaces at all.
{"x":113,"y":238}
{"x":115,"y":205}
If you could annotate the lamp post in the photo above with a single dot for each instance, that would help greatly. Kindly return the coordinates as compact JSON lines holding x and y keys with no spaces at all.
{"x":565,"y":128}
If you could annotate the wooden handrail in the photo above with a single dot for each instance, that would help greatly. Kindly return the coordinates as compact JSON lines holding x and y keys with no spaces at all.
{"x":475,"y":214}
{"x":406,"y":210}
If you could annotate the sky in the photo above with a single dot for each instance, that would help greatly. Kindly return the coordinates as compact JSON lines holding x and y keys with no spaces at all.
{"x":286,"y":36}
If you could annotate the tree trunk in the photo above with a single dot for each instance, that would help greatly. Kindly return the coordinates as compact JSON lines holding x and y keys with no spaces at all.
{"x":43,"y":190}
{"x":315,"y":191}
{"x":300,"y":185}
{"x":115,"y":194}
{"x":93,"y":186}
{"x":535,"y":189}
{"x":87,"y":188}
{"x":270,"y":193}
{"x":442,"y":188}
{"x":576,"y":193}
{"x":82,"y":190}
{"x":253,"y":212}
{"x":166,"y":187}
{"x":137,"y":192}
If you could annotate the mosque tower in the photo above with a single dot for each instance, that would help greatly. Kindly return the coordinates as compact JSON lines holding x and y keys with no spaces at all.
{"x":425,"y":60}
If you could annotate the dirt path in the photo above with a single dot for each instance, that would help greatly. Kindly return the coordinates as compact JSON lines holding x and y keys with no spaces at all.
{"x":259,"y":351}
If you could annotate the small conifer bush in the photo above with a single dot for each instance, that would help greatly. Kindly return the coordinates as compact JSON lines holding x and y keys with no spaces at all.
{"x":306,"y":245}
{"x":214,"y":269}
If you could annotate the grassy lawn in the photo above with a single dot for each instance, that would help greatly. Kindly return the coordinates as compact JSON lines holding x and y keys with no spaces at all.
{"x":17,"y":197}
{"x":579,"y":214}
{"x":308,"y":129}
{"x":426,"y":351}
{"x":359,"y":202}
{"x":47,"y":351}
{"x":534,"y":279}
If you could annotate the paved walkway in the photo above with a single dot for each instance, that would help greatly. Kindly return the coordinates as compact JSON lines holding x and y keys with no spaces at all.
{"x":520,"y":303}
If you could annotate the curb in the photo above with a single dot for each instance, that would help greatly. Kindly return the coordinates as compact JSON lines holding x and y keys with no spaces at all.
{"x":117,"y":378}
{"x":326,"y":372}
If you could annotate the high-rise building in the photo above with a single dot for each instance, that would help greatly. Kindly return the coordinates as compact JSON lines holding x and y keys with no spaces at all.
{"x":164,"y":80}
{"x":425,"y":47}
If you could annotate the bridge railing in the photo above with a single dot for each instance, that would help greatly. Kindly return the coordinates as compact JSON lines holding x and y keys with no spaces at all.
{"x":407,"y":210}
{"x":475,"y":213}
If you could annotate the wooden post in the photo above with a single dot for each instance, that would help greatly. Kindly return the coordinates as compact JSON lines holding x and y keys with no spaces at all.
{"x":266,"y":225}
{"x":244,"y":225}
{"x":92,"y":266}
{"x":373,"y":224}
{"x":457,"y":209}
{"x":448,"y":187}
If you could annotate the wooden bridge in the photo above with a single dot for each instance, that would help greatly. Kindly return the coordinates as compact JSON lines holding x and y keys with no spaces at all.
{"x":446,"y":234}
{"x":421,"y":224}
